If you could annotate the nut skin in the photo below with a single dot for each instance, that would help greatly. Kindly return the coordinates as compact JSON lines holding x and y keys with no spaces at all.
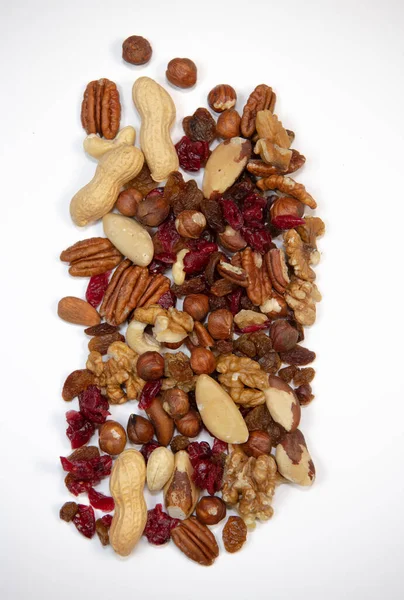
{"x":220,"y":324}
{"x":202,"y":361}
{"x":181,"y":72}
{"x":190,"y":425}
{"x":136,"y":50}
{"x":175,"y":403}
{"x":112,"y":438}
{"x":152,"y":210}
{"x":150,"y":366}
{"x":163,"y":423}
{"x":190,"y":223}
{"x":284,"y":337}
{"x":197,"y":306}
{"x":259,"y":442}
{"x":128,"y":201}
{"x":173,"y":346}
{"x":232,"y":240}
{"x":285,"y":205}
{"x":139,"y":430}
{"x":228,"y":124}
{"x":222,"y":97}
{"x":210,"y":510}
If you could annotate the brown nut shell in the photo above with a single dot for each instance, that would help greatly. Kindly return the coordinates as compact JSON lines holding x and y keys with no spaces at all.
{"x":150,"y":366}
{"x":189,"y":425}
{"x":259,"y":442}
{"x":210,"y":510}
{"x":136,"y":50}
{"x":175,"y":403}
{"x":228,"y":124}
{"x":220,"y":324}
{"x":181,"y":72}
{"x":163,"y":423}
{"x":112,"y":438}
{"x":197,"y":306}
{"x":202,"y":361}
{"x":222,"y":97}
{"x":139,"y":429}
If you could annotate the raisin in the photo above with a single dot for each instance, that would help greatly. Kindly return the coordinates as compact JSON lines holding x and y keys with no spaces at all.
{"x":253,"y":210}
{"x":100,"y":501}
{"x":287,"y":221}
{"x":85,"y":453}
{"x":299,"y":356}
{"x":96,"y":288}
{"x":192,"y":155}
{"x":101,"y":343}
{"x":167,"y":300}
{"x":245,"y":345}
{"x":224,"y":346}
{"x":287,"y":373}
{"x":246,"y":304}
{"x":79,"y":430}
{"x":276,"y":432}
{"x":159,"y":526}
{"x":222,"y":287}
{"x":201,"y":127}
{"x":84,"y":520}
{"x":101,"y":329}
{"x":102,"y":530}
{"x":263,"y":344}
{"x":216,"y":302}
{"x":68,"y":510}
{"x":304,"y":394}
{"x":232,"y":213}
{"x":76,"y":486}
{"x":303,"y":376}
{"x":258,"y":418}
{"x":196,"y":285}
{"x":210,"y":269}
{"x":270,"y":363}
{"x":150,"y":390}
{"x":182,"y":195}
{"x":179,"y":442}
{"x":178,"y":367}
{"x":213,"y":214}
{"x":93,"y":405}
{"x":234,"y":534}
{"x":240,"y":190}
{"x":148,"y":448}
{"x":167,"y":235}
{"x":258,"y":239}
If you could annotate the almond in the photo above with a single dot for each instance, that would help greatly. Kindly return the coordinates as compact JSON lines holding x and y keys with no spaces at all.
{"x":76,"y":310}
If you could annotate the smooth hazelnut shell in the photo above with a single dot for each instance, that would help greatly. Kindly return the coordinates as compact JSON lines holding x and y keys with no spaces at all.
{"x":220,"y":324}
{"x":181,"y":72}
{"x":112,"y":438}
{"x":139,"y":429}
{"x":190,"y":425}
{"x":152,"y":211}
{"x":210,"y":510}
{"x":228,"y":124}
{"x":202,"y":361}
{"x":176,"y":403}
{"x":197,"y":306}
{"x":259,"y":442}
{"x":150,"y":366}
{"x":128,"y":201}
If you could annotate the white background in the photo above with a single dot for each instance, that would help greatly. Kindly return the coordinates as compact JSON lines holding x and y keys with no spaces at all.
{"x":337,"y":68}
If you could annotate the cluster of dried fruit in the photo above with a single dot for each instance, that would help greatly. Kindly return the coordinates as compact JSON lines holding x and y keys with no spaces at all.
{"x":241,"y":260}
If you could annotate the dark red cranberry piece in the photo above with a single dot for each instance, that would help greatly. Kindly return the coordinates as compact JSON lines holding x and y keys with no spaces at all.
{"x":92,"y":470}
{"x":195,"y":262}
{"x":253,"y":210}
{"x":253,"y":328}
{"x":96,"y":288}
{"x":167,"y":234}
{"x":107,"y":520}
{"x":239,"y":191}
{"x":79,"y":429}
{"x":192,"y":155}
{"x":84,"y":520}
{"x":149,"y":391}
{"x":93,"y":405}
{"x":287,"y":221}
{"x":167,"y":300}
{"x":258,"y":239}
{"x":77,"y":486}
{"x":219,"y":447}
{"x":148,"y":448}
{"x":198,"y":451}
{"x":100,"y":501}
{"x":162,"y":262}
{"x":232,"y":213}
{"x":159,"y":526}
{"x":102,"y":466}
{"x":235,"y":299}
{"x":208,"y":475}
{"x":158,"y":191}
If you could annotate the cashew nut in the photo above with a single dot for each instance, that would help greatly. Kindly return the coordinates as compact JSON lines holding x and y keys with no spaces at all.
{"x":96,"y":146}
{"x":139,"y":341}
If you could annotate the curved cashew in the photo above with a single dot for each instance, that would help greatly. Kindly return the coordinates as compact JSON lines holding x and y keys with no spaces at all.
{"x":96,"y":146}
{"x":139,"y":341}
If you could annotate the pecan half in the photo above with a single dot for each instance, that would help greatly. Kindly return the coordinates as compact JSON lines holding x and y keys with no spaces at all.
{"x":259,"y":168}
{"x":234,"y":274}
{"x":277,"y":268}
{"x":196,"y":541}
{"x":101,"y":108}
{"x":91,"y":257}
{"x":262,"y":98}
{"x":288,"y":186}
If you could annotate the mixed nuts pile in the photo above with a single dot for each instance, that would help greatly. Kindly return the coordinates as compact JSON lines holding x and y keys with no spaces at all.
{"x":228,"y":360}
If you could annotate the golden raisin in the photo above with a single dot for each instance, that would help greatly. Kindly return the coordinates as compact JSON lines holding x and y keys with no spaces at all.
{"x":234,"y":534}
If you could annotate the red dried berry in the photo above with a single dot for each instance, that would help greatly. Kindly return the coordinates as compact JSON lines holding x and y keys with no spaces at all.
{"x":100,"y":501}
{"x":80,"y":429}
{"x":158,"y":191}
{"x":208,"y":475}
{"x":253,"y":210}
{"x":167,"y":300}
{"x":92,"y":470}
{"x":192,"y":155}
{"x":254,"y":328}
{"x":84,"y":520}
{"x":96,"y":288}
{"x":198,"y":451}
{"x":239,"y":191}
{"x":107,"y":520}
{"x":219,"y":447}
{"x":235,"y":299}
{"x":258,"y":239}
{"x":93,"y":405}
{"x":195,"y":262}
{"x":148,"y":448}
{"x":149,"y":391}
{"x":76,"y":486}
{"x":167,"y":234}
{"x":287,"y":221}
{"x":159,"y":526}
{"x":232,"y":213}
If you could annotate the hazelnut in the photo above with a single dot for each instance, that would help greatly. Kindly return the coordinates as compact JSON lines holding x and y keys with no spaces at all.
{"x":285,"y":205}
{"x":259,"y":442}
{"x":232,"y":240}
{"x":153,"y":209}
{"x":190,"y":223}
{"x":220,"y":324}
{"x":210,"y":510}
{"x":175,"y":403}
{"x":173,"y":345}
{"x":139,"y":429}
{"x":181,"y":72}
{"x":197,"y":306}
{"x":150,"y":366}
{"x":136,"y":50}
{"x":127,"y":202}
{"x":190,"y":425}
{"x":112,"y":438}
{"x":284,"y":337}
{"x":228,"y":124}
{"x":202,"y":361}
{"x":222,"y":97}
{"x":179,"y":442}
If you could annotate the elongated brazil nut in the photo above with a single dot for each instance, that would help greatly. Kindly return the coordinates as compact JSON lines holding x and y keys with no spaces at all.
{"x":219,"y":413}
{"x":293,"y":459}
{"x":225,"y":164}
{"x":131,"y":239}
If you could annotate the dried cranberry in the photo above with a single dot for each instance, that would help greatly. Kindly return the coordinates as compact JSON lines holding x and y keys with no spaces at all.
{"x":161,"y":262}
{"x":258,"y":239}
{"x":208,"y":475}
{"x":92,"y":470}
{"x":107,"y":520}
{"x":253,"y":210}
{"x":192,"y":155}
{"x":159,"y":526}
{"x":158,"y":191}
{"x":167,"y":300}
{"x":254,"y":328}
{"x":93,"y":405}
{"x":232,"y":213}
{"x":167,"y":234}
{"x":149,"y":391}
{"x":100,"y":501}
{"x":235,"y":299}
{"x":76,"y":486}
{"x":96,"y":288}
{"x":148,"y":448}
{"x":287,"y":221}
{"x":198,"y":451}
{"x":219,"y":447}
{"x":194,"y":262}
{"x":79,"y":430}
{"x":84,"y":520}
